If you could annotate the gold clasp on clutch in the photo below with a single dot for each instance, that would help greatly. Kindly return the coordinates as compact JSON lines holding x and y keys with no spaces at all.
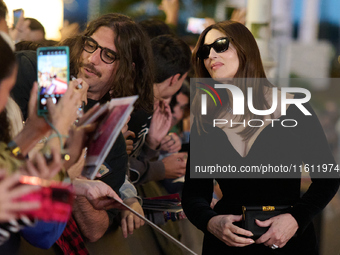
{"x":244,"y":212}
{"x":268,"y":208}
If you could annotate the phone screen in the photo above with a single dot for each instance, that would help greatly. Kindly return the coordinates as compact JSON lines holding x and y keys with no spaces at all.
{"x":53,"y":75}
{"x":195,"y":25}
{"x":16,"y":15}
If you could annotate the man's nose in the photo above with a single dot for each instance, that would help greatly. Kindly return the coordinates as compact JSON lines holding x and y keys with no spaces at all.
{"x":95,"y":57}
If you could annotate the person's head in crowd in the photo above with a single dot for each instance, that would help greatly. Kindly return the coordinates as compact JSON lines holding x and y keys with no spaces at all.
{"x":180,"y":104}
{"x":8,"y":72}
{"x":3,"y":25}
{"x":113,"y":55}
{"x":3,"y":14}
{"x":155,"y":27}
{"x":27,"y":45}
{"x":36,"y":31}
{"x":30,"y":45}
{"x":172,"y":63}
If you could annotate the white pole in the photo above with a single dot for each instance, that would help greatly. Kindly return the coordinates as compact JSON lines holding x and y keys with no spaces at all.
{"x":309,"y":26}
{"x":258,"y":22}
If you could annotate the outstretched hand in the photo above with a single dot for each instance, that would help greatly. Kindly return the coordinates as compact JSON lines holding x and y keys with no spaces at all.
{"x":98,"y":193}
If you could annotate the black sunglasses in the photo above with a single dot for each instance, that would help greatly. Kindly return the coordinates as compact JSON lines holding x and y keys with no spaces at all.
{"x":220,"y":45}
{"x":107,"y":56}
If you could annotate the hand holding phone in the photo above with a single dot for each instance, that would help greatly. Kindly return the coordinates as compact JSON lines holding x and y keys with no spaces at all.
{"x":16,"y":16}
{"x":53,"y":75}
{"x":196,"y":25}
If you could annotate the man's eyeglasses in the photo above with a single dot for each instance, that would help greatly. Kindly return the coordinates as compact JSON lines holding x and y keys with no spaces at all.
{"x":90,"y":45}
{"x":220,"y":45}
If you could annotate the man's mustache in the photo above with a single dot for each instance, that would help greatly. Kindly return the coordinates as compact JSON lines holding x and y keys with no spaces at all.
{"x":91,"y":68}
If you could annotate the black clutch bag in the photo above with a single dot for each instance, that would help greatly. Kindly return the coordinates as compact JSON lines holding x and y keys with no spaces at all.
{"x":251,"y":213}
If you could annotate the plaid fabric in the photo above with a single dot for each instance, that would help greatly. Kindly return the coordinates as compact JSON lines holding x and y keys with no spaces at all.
{"x":71,"y":242}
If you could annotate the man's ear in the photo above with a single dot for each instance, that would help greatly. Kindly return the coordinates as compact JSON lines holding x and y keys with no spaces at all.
{"x":174,"y":79}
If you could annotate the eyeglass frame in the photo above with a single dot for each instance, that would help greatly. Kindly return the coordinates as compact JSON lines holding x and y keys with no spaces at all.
{"x":212,"y":46}
{"x":84,"y":38}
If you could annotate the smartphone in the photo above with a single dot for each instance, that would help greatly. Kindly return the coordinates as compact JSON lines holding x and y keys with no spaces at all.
{"x":53,"y":75}
{"x":195,"y":25}
{"x":56,"y":199}
{"x":16,"y":15}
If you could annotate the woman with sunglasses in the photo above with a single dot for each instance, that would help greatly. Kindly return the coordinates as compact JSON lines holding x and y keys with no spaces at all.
{"x":228,"y":52}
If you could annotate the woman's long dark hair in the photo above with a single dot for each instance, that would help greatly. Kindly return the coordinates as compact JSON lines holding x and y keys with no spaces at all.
{"x":250,"y":66}
{"x":134,"y":75}
{"x":7,"y":66}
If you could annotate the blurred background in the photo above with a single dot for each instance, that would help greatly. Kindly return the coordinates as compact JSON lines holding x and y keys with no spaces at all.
{"x":299,"y":42}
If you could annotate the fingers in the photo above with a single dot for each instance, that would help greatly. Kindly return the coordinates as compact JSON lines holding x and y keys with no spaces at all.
{"x":88,"y":114}
{"x":234,"y":240}
{"x":23,"y":206}
{"x":223,"y":228}
{"x":237,"y":230}
{"x":129,"y":146}
{"x":265,"y":223}
{"x":131,"y":224}
{"x":126,"y":127}
{"x":31,"y":170}
{"x":129,"y":133}
{"x":90,"y":127}
{"x":124,"y":227}
{"x":137,"y":222}
{"x":32,"y":104}
{"x":22,"y":190}
{"x":240,"y":231}
{"x":9,"y":181}
{"x":113,"y":194}
{"x":171,"y":143}
{"x":166,"y":140}
{"x":55,"y":167}
{"x":183,"y":155}
{"x":42,"y":169}
{"x":234,"y":218}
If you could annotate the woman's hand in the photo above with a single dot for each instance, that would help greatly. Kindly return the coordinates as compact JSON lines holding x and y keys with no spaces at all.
{"x":223,"y":228}
{"x":10,"y":206}
{"x":282,"y":228}
{"x":130,"y":221}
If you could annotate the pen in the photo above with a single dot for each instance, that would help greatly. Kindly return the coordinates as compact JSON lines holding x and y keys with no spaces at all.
{"x":79,"y":86}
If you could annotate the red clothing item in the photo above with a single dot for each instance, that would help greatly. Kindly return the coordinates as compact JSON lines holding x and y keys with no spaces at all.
{"x":71,"y":242}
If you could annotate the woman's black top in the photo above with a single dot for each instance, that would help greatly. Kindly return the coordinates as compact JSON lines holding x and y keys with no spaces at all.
{"x":276,"y":146}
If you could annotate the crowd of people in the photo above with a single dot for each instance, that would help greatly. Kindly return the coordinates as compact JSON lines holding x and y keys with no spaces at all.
{"x":117,"y":57}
